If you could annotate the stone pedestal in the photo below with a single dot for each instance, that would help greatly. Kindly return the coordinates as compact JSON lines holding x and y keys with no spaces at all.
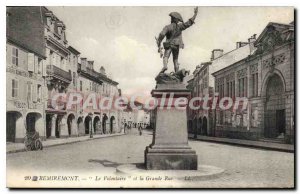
{"x":169,"y":148}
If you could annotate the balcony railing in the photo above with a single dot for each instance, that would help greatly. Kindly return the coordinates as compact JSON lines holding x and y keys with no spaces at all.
{"x":59,"y":73}
{"x":59,"y":103}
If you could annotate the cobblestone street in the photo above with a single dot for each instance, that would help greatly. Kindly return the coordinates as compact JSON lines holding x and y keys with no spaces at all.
{"x":244,"y":167}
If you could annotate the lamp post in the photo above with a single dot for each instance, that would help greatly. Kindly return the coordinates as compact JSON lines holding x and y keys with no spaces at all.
{"x":90,"y":126}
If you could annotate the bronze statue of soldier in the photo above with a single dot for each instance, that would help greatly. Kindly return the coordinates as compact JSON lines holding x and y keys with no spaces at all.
{"x":173,"y":42}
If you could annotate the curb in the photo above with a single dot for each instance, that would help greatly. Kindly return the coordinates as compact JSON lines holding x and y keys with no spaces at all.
{"x":246,"y":145}
{"x":204,"y":172}
{"x":64,"y":143}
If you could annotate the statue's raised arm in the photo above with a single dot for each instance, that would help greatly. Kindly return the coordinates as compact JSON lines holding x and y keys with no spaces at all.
{"x":174,"y":41}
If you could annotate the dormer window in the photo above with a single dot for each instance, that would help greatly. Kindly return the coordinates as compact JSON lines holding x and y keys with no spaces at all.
{"x":49,"y":21}
{"x":50,"y":18}
{"x":52,"y":26}
{"x":60,"y":28}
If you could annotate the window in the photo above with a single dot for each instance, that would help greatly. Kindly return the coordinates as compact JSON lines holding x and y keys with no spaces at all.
{"x":74,"y":60}
{"x":254,"y":78}
{"x":49,"y":21}
{"x":221,"y":90}
{"x":74,"y":79}
{"x":52,"y":26}
{"x":29,"y":92}
{"x":57,"y":62}
{"x":59,"y":30}
{"x":243,"y":87}
{"x":40,"y":61}
{"x":62,"y":63}
{"x":230,"y":88}
{"x":221,"y":117}
{"x":51,"y":58}
{"x":39,"y":93}
{"x":80,"y":85}
{"x":220,"y":87}
{"x":240,"y":86}
{"x":15,"y":56}
{"x":233,"y":89}
{"x":15,"y":88}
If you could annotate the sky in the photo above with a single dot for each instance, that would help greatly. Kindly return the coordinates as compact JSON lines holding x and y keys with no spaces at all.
{"x":122,"y":39}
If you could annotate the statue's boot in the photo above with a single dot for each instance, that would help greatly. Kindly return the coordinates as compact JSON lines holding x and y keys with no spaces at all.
{"x":163,"y":70}
{"x":176,"y":67}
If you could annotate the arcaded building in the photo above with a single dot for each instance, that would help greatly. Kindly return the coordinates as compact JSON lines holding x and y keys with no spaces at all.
{"x":25,"y":72}
{"x":39,"y":64}
{"x":267,"y":79}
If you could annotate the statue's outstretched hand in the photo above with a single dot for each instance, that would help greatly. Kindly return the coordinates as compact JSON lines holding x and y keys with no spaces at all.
{"x":196,"y":10}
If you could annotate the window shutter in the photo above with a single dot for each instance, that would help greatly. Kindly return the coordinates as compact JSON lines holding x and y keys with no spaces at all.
{"x":47,"y":57}
{"x":36,"y":61}
{"x":54,"y":59}
{"x":57,"y":61}
{"x":34,"y":93}
{"x":12,"y":88}
{"x":8,"y":55}
{"x":44,"y":66}
{"x":30,"y":62}
{"x":45,"y":93}
{"x":17,"y":88}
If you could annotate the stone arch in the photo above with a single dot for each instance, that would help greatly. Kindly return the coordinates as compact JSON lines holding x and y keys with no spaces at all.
{"x":71,"y":124}
{"x":96,"y":124}
{"x":87,"y":124}
{"x":34,"y":122}
{"x":104,"y":121}
{"x":14,"y":126}
{"x":80,"y":125}
{"x":48,"y":125}
{"x":112,"y":124}
{"x":267,"y":78}
{"x":274,"y":106}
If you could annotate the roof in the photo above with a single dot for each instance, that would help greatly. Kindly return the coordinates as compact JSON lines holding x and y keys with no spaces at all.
{"x":229,"y":66}
{"x":73,"y":50}
{"x":94,"y":75}
{"x":278,"y":26}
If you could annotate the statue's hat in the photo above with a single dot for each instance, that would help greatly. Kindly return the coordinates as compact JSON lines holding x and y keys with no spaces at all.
{"x":176,"y":15}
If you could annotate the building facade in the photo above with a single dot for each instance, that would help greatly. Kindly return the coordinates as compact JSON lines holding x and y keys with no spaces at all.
{"x":266,"y":79}
{"x":25,"y":73}
{"x":39,"y":64}
{"x":135,"y":117}
{"x":102,"y":121}
{"x":59,"y":75}
{"x":201,"y":121}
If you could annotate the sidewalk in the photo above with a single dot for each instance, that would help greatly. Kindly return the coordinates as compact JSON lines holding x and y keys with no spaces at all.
{"x":19,"y":147}
{"x":246,"y":143}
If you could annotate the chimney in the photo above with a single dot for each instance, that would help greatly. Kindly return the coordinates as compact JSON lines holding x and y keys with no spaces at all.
{"x":83,"y":63}
{"x":102,"y":70}
{"x":241,"y":44}
{"x":91,"y":65}
{"x":216,"y":53}
{"x":252,"y":38}
{"x":251,"y":41}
